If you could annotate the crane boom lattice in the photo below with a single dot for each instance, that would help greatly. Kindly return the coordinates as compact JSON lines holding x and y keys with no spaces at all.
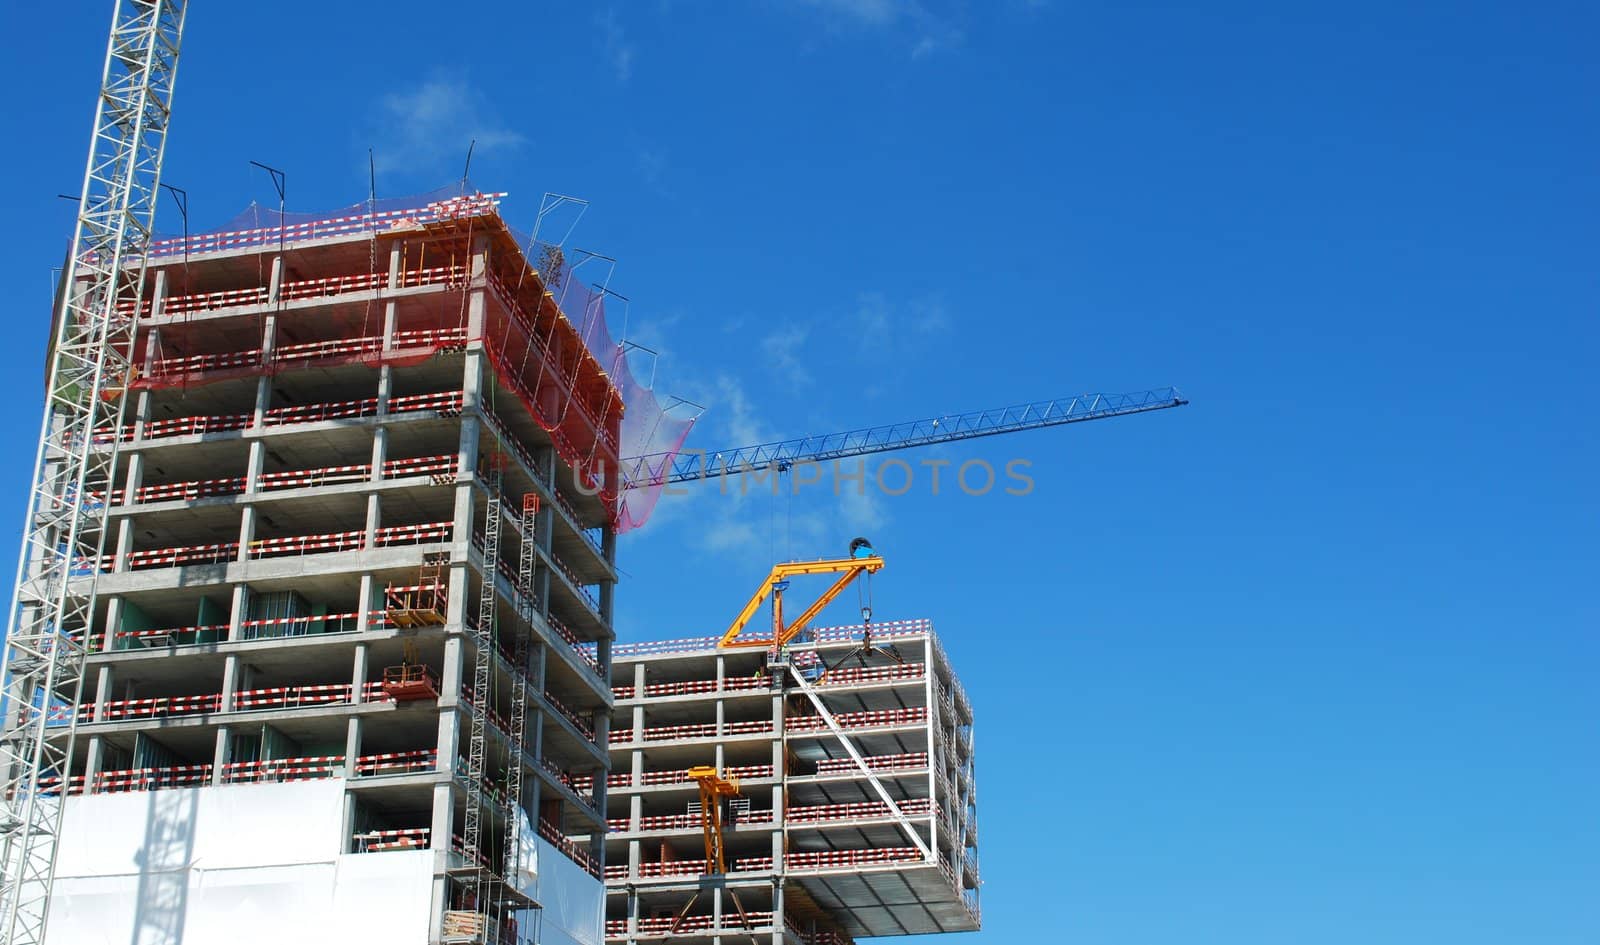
{"x":63,"y":536}
{"x":659,"y":469}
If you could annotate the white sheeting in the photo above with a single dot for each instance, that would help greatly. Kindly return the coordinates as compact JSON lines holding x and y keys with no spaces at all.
{"x":574,"y":902}
{"x":243,"y":864}
{"x":527,"y":878}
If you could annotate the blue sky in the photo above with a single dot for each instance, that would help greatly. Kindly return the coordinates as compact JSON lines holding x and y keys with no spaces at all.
{"x":1311,"y":660}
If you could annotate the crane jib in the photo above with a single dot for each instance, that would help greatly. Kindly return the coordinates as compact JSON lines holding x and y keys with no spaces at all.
{"x":691,"y":465}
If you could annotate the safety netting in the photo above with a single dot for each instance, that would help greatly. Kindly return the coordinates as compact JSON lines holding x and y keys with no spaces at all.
{"x":646,"y":429}
{"x":548,"y":338}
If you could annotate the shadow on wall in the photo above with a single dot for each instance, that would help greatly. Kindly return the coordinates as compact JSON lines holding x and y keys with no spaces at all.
{"x":162,"y":898}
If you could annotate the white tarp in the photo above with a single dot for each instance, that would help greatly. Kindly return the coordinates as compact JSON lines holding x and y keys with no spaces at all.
{"x":527,"y":878}
{"x":244,"y":864}
{"x":574,"y":902}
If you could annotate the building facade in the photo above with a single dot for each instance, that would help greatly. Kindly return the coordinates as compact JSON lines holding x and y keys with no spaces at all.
{"x":815,"y":854}
{"x":361,"y":534}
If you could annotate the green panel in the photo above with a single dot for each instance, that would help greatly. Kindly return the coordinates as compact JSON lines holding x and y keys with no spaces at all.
{"x":133,"y":618}
{"x":211,"y":614}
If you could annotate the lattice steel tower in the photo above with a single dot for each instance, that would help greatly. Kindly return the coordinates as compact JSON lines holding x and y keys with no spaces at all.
{"x":65,"y":527}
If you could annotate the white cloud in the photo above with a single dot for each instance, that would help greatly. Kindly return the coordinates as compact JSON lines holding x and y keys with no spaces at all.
{"x":737,"y":419}
{"x":880,"y":322}
{"x":619,"y":52}
{"x":928,"y":31}
{"x":783,"y":351}
{"x":866,"y":12}
{"x":429,"y":126}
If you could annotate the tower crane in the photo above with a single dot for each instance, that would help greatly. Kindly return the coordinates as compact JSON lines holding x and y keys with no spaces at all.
{"x":656,"y":469}
{"x":861,"y":561}
{"x":64,"y":533}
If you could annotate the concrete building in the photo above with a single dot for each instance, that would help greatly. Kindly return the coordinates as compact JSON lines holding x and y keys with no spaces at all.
{"x":814,"y":854}
{"x":357,"y":599}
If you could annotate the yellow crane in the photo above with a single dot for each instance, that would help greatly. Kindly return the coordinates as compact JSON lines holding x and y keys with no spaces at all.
{"x":715,"y":788}
{"x":862,"y":560}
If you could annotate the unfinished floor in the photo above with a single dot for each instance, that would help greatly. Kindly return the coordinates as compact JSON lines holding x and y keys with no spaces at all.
{"x":358,"y":537}
{"x":815,"y":855}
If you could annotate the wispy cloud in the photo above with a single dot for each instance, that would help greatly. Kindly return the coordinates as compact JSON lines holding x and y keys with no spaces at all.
{"x":782,"y":349}
{"x":928,"y":31}
{"x":881,"y":321}
{"x":614,"y":42}
{"x":429,"y":126}
{"x":737,"y":418}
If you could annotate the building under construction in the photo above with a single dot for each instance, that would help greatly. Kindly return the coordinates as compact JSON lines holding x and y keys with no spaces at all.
{"x":349,"y":658}
{"x":853,"y":809}
{"x":356,"y":594}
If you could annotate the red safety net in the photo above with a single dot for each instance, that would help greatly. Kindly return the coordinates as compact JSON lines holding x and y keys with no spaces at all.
{"x":554,"y":351}
{"x":646,"y":428}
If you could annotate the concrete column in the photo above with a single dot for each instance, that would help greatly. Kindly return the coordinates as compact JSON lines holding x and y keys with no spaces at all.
{"x":449,"y":739}
{"x":124,"y":543}
{"x":106,"y":640}
{"x":537,"y":718}
{"x":779,"y":794}
{"x":276,"y":283}
{"x":358,"y":674}
{"x":133,"y":479}
{"x":633,"y":894}
{"x":103,"y":689}
{"x":254,"y":466}
{"x":247,"y":532}
{"x":91,"y":763}
{"x":479,"y":278}
{"x":158,"y":294}
{"x":602,"y":729}
{"x":608,"y":589}
{"x":777,"y":907}
{"x":347,"y":823}
{"x":237,"y":611}
{"x":456,"y":593}
{"x":219,"y":755}
{"x":380,"y":447}
{"x":352,"y":749}
{"x":374,"y":520}
{"x":396,"y":264}
{"x":541,"y":588}
{"x":721,"y":718}
{"x":533,"y":788}
{"x":450,"y":672}
{"x":385,"y":387}
{"x":230,"y":683}
{"x":142,"y":407}
{"x":269,"y":333}
{"x":472,"y":380}
{"x":443,"y":816}
{"x":545,"y":456}
{"x":364,"y":606}
{"x":716,"y":907}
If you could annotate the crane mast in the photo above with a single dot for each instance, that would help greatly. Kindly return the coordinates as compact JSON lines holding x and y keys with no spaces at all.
{"x":64,"y":533}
